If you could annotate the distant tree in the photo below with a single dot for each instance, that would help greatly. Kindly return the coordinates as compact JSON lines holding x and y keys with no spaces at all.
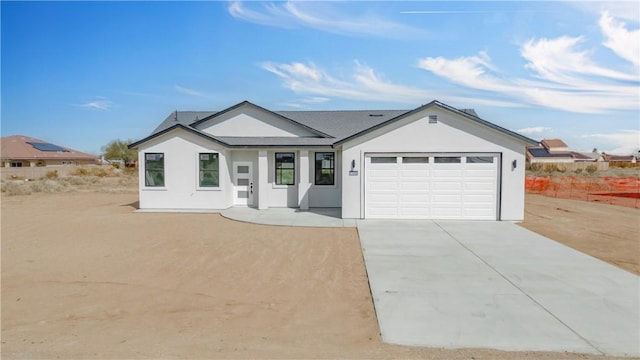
{"x":118,"y":150}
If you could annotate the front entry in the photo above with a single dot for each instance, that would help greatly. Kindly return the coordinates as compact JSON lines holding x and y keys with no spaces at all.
{"x":242,"y":183}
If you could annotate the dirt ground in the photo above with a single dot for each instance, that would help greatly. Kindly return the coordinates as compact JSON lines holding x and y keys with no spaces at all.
{"x":607,"y":232}
{"x":85,"y":277}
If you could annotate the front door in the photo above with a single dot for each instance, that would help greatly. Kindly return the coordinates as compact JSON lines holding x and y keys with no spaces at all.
{"x":242,"y":183}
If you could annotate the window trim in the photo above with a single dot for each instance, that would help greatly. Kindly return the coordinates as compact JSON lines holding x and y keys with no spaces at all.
{"x":275,"y":169}
{"x":199,"y":186}
{"x":164,"y":178}
{"x":333,"y":168}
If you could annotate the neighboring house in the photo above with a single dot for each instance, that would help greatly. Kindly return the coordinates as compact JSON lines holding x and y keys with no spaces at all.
{"x":433,"y":162}
{"x":630,"y":159}
{"x":19,"y":151}
{"x":550,"y":151}
{"x":593,"y":156}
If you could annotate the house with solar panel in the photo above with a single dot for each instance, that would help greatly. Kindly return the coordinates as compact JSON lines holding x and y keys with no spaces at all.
{"x":432,"y":162}
{"x":19,"y":151}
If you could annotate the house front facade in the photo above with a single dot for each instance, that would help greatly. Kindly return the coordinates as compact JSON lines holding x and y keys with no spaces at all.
{"x":433,"y":162}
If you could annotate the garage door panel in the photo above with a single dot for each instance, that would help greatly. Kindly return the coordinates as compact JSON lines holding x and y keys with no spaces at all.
{"x":381,"y":198}
{"x":477,"y":214}
{"x":418,"y":186}
{"x":385,"y":173}
{"x":480,"y":186}
{"x":426,"y":189}
{"x":454,"y":198}
{"x":439,"y":172}
{"x":480,"y":173}
{"x":484,"y":199}
{"x":446,"y":186}
{"x":415,"y":198}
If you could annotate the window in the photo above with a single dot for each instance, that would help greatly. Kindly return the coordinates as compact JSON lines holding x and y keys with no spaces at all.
{"x":285,"y":168}
{"x":208,"y":170}
{"x":479,"y":159}
{"x":447,"y":160}
{"x":384,"y":160}
{"x":325,"y":168}
{"x":415,"y":160}
{"x":154,"y":169}
{"x":16,"y":164}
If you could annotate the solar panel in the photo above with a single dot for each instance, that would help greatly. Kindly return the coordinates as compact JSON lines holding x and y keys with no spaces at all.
{"x":538,"y":152}
{"x":47,"y":147}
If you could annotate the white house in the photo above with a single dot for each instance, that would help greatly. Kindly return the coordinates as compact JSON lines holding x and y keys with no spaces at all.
{"x":433,"y":162}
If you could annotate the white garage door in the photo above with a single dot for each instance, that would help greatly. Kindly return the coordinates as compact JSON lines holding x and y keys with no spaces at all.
{"x":431,"y":186}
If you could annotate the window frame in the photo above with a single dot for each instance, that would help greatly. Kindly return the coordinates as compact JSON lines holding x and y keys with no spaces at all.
{"x":317,"y":170}
{"x":146,"y":171}
{"x":200,"y":186}
{"x":276,"y":169}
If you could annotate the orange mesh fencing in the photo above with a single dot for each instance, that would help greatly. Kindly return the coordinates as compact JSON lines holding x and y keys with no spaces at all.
{"x":614,"y":191}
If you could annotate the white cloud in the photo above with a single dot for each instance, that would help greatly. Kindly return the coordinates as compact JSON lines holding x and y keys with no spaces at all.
{"x":187,"y":91}
{"x":624,"y":142}
{"x":533,"y":130}
{"x":562,"y":77}
{"x":99,"y":103}
{"x":322,"y":17}
{"x":363,"y":84}
{"x":621,"y":41}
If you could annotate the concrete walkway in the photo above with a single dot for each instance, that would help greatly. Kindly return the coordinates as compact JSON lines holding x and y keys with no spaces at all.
{"x":496,"y":285}
{"x":315,"y":217}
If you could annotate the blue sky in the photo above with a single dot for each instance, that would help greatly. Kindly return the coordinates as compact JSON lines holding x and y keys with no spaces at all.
{"x":80,"y":74}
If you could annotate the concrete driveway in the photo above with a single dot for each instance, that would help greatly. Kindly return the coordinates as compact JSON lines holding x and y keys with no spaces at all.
{"x":454,"y":284}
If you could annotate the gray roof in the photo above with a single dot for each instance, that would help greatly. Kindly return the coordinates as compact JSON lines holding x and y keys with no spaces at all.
{"x":185,"y":118}
{"x":332,"y":127}
{"x":342,"y":124}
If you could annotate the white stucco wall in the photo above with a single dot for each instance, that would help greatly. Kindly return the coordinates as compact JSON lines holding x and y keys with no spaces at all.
{"x":452,"y":133}
{"x":248,"y":121}
{"x":181,"y":190}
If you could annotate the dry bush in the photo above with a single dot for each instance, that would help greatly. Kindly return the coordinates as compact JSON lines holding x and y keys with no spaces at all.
{"x":12,"y":187}
{"x":47,"y":186}
{"x":80,"y":180}
{"x":53,"y":174}
{"x":93,"y":171}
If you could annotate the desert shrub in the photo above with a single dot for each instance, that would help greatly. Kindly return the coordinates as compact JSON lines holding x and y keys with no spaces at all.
{"x":79,"y":171}
{"x":591,"y":169}
{"x":624,"y":165}
{"x":92,"y":171}
{"x":15,"y":188}
{"x":53,"y":174}
{"x":47,"y":186}
{"x":81,"y":180}
{"x":551,"y":168}
{"x":578,"y":171}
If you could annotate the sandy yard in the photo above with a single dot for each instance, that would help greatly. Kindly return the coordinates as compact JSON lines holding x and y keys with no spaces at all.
{"x":85,"y":277}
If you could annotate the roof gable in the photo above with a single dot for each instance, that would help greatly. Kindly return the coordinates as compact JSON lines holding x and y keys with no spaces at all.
{"x":464,"y":114}
{"x":249,"y":120}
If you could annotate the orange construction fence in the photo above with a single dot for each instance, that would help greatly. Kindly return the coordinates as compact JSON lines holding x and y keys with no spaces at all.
{"x":614,"y":191}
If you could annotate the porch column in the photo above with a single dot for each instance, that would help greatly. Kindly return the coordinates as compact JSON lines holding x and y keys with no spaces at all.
{"x":263,"y":180}
{"x":304,"y":185}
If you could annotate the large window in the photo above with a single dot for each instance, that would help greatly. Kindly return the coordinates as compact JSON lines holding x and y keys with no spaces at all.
{"x":285,"y":168}
{"x":154,"y":169}
{"x":325,"y":168}
{"x":208,"y":168}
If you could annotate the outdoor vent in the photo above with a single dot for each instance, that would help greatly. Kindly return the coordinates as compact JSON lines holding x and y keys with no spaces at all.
{"x":375,"y":115}
{"x":433,"y":119}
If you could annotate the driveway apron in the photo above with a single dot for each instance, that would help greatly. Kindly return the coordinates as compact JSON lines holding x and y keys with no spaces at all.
{"x":454,"y":284}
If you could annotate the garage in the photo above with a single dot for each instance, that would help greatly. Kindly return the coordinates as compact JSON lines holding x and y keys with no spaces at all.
{"x":432,"y":186}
